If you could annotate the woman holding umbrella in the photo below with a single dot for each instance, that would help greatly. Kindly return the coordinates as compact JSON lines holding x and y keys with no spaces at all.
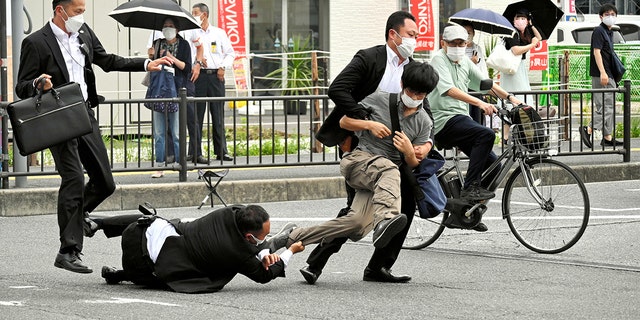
{"x":525,"y":39}
{"x":178,"y":51}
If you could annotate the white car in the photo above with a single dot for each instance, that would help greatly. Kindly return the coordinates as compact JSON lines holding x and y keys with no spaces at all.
{"x":579,"y":33}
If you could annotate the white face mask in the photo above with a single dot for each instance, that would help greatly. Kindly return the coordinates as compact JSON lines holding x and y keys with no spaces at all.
{"x":258,"y":241}
{"x":408,"y":102}
{"x":169,"y":33}
{"x":198,"y":20}
{"x":609,"y":20}
{"x":73,"y":24}
{"x":456,"y":54}
{"x":406,"y":48}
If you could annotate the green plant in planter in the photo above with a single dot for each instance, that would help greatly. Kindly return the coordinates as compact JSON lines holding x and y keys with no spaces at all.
{"x":295,"y":76}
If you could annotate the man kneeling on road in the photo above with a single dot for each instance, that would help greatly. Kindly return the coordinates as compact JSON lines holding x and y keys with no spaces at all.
{"x":199,"y":256}
{"x":372,"y":168}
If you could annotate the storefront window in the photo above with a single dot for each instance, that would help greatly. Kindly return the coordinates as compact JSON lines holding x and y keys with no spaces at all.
{"x":271,"y":31}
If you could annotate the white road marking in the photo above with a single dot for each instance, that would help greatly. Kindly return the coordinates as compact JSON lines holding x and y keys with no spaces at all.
{"x":127,"y":300}
{"x":22,"y":287}
{"x":11,"y":303}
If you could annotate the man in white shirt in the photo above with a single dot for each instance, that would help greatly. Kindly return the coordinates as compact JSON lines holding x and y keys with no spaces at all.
{"x":218,"y":56}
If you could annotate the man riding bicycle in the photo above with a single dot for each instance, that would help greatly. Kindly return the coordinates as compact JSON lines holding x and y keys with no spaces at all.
{"x":453,"y":126}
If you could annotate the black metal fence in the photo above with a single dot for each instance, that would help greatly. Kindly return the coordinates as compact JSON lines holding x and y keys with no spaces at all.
{"x":279,"y":131}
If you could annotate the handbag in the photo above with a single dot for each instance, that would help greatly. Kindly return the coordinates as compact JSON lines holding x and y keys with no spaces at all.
{"x":49,"y":118}
{"x":434,"y":200}
{"x":429,"y":195}
{"x":162,"y":85}
{"x":504,"y":60}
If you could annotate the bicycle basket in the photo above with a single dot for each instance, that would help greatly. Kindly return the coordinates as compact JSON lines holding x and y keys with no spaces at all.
{"x":539,"y":135}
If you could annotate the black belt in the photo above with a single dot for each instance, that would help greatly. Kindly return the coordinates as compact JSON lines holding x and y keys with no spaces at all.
{"x":209,"y":71}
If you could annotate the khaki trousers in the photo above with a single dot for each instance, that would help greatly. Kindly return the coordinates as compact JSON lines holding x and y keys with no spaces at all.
{"x":377,"y":183}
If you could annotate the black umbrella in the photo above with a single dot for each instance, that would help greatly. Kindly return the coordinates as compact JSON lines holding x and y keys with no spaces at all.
{"x":484,"y":20}
{"x":150,"y":14}
{"x":544,"y":14}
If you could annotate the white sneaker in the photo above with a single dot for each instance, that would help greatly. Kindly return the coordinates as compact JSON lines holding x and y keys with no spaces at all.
{"x":158,"y":174}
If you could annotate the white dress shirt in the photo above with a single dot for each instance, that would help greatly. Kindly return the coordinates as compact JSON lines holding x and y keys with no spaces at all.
{"x":74,"y":59}
{"x":392,"y":79}
{"x":218,"y":52}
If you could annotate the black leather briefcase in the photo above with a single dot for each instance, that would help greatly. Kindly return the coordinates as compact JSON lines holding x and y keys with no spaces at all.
{"x":49,"y":118}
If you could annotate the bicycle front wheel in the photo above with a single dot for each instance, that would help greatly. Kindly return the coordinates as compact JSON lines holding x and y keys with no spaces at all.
{"x":424,"y":232}
{"x":551,"y":215}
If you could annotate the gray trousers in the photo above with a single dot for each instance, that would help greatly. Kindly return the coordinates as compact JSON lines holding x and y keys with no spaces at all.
{"x":377,"y":183}
{"x":604,"y":105}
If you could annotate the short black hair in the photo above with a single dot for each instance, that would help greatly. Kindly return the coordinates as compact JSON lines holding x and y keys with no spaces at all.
{"x":56,"y":3}
{"x":395,"y":21}
{"x":251,"y":218}
{"x":420,"y":77}
{"x":608,"y":7}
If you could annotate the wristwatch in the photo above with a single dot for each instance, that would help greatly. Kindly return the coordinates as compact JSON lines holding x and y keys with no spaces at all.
{"x":200,"y":63}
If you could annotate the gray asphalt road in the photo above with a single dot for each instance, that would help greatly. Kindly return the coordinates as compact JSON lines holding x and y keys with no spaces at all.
{"x":462,"y":276}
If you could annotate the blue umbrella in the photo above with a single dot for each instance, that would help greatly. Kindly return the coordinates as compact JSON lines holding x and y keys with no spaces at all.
{"x":485,"y":21}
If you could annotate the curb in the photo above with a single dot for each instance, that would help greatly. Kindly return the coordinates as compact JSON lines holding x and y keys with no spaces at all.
{"x":41,"y":201}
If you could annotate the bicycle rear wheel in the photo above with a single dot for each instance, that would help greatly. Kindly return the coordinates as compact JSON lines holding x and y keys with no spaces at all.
{"x":557,"y":223}
{"x":424,"y":232}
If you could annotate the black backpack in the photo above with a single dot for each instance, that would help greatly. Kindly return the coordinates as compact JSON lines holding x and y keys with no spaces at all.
{"x":530,"y":130}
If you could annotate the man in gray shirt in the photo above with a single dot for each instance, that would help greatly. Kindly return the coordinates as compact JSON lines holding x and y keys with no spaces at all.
{"x":372,"y":168}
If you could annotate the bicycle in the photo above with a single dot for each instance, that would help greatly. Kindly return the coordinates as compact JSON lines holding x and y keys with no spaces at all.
{"x":544,"y":202}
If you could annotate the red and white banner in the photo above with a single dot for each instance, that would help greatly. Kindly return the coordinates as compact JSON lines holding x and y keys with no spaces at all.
{"x":539,"y":56}
{"x":231,"y":20}
{"x":422,"y":10}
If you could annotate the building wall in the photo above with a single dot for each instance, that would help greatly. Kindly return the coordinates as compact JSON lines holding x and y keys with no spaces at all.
{"x":355,"y":25}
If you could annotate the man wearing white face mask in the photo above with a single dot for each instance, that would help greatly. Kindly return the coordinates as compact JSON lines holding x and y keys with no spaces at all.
{"x":601,"y":72}
{"x":376,"y":68}
{"x":449,"y":103}
{"x":63,"y":51}
{"x":372,"y":168}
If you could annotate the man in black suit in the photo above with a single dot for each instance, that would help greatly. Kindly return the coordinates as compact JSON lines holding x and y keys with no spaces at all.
{"x":198,"y":256}
{"x":63,"y":51}
{"x":376,"y":67}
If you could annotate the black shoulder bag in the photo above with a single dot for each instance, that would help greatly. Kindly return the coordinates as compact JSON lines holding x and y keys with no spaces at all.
{"x":430,"y":198}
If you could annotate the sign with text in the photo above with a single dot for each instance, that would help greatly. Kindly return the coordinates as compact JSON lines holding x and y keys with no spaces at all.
{"x":423,"y":11}
{"x":231,"y":20}
{"x":539,"y":56}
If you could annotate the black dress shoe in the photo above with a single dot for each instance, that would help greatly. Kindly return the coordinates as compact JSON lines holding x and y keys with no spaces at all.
{"x":112,"y":275}
{"x":89,"y":227}
{"x":225,"y":157}
{"x":480,"y":227}
{"x":189,"y":158}
{"x":202,"y":160}
{"x":383,"y":275}
{"x":311,"y":276}
{"x":586,"y":137}
{"x":387,"y":229}
{"x":610,"y":143}
{"x":71,"y":261}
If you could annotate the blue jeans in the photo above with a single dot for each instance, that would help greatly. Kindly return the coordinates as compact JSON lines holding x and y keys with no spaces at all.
{"x":161,"y":121}
{"x":475,"y":140}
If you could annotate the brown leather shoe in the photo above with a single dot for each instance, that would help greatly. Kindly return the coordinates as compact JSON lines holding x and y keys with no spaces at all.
{"x":383,"y":275}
